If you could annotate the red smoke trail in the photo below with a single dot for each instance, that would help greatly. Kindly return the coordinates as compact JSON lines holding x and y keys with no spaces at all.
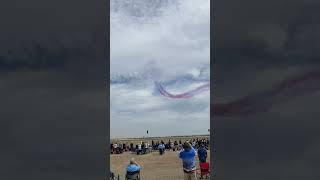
{"x":260,"y":102}
{"x":189,"y":94}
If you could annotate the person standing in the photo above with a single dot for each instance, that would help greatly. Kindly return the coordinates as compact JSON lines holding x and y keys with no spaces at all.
{"x":112,"y":176}
{"x":172,"y":146}
{"x":139,"y":149}
{"x":194,"y":144}
{"x":187,"y":155}
{"x":202,"y":154}
{"x":111,"y":148}
{"x":175,"y":145}
{"x":143,"y":147}
{"x":124,"y":146}
{"x":161,"y":149}
{"x":131,"y":147}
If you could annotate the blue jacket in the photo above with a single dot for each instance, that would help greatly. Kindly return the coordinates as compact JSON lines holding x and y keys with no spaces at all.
{"x":133,"y":168}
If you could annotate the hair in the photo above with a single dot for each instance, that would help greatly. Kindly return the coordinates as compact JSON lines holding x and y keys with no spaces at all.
{"x":132,"y":161}
{"x":186,"y":146}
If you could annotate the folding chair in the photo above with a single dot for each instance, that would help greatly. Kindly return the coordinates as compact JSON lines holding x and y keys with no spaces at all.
{"x":133,"y":175}
{"x":204,"y":171}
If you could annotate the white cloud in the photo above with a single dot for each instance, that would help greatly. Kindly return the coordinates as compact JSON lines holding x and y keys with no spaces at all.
{"x":177,"y":40}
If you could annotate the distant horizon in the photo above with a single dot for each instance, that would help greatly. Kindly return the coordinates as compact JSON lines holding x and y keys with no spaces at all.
{"x":151,"y":134}
{"x":160,"y":136}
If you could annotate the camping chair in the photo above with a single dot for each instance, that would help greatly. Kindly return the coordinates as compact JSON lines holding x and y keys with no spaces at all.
{"x":133,"y":175}
{"x":204,"y":171}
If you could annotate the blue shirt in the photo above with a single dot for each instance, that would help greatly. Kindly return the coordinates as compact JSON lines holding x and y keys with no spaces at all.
{"x":161,"y":146}
{"x":202,"y":154}
{"x":188,"y":159}
{"x":133,"y":168}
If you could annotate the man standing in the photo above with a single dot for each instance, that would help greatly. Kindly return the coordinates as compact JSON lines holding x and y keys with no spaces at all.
{"x":188,"y":161}
{"x":202,"y":154}
{"x":139,"y":149}
{"x":161,"y":149}
{"x":175,"y":145}
{"x":172,"y":146}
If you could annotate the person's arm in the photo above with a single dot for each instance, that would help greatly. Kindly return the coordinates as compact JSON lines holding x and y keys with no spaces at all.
{"x":138,"y":168}
{"x":194,"y":152}
{"x":136,"y":163}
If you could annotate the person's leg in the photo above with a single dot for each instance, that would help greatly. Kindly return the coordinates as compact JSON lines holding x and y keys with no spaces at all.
{"x":186,"y":176}
{"x":193,"y":176}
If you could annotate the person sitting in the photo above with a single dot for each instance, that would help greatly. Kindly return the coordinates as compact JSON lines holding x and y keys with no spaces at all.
{"x":133,"y":170}
{"x":155,"y":146}
{"x":120,"y":148}
{"x":167,"y":146}
{"x":115,"y":147}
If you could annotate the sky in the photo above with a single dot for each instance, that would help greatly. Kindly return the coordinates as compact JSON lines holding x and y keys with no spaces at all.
{"x":158,"y":41}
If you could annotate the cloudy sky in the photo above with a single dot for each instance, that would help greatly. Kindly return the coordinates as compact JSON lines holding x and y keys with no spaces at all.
{"x":158,"y":41}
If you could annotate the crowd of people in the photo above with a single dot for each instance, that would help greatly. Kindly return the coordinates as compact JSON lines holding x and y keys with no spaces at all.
{"x":177,"y":145}
{"x":188,"y":151}
{"x":142,"y":147}
{"x":118,"y":148}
